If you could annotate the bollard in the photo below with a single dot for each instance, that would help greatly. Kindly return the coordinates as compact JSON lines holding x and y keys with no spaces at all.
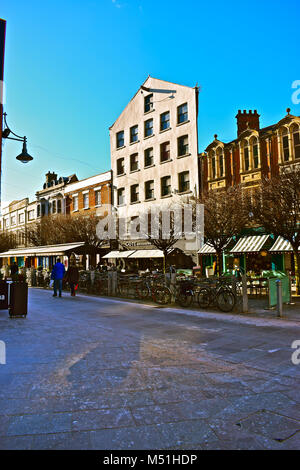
{"x":114,"y":283}
{"x":279,"y":298}
{"x":245,"y":293}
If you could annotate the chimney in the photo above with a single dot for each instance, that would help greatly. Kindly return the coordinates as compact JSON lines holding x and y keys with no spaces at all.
{"x":247,"y":119}
{"x":50,"y":177}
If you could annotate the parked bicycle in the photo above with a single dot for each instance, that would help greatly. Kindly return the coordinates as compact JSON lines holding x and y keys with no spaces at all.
{"x":220,"y":294}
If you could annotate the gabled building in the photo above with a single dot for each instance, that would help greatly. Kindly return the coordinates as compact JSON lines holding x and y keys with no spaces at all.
{"x":254,"y":154}
{"x":51,"y":199}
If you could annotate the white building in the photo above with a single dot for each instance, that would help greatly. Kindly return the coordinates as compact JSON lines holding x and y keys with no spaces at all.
{"x":154,"y":148}
{"x":17,"y":216}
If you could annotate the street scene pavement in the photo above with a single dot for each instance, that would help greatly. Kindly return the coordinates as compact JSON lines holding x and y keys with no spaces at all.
{"x":100,"y":373}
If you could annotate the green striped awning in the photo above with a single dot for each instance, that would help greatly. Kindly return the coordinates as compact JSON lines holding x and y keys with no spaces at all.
{"x":252,"y":244}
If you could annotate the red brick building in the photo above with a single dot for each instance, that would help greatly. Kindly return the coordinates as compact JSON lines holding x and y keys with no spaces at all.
{"x":88,"y":195}
{"x":254,"y":154}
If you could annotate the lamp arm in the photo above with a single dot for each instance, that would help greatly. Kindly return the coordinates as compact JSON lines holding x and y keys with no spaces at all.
{"x":19,"y":137}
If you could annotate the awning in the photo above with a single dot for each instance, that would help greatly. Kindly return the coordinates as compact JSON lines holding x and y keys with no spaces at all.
{"x":251,"y":244}
{"x":281,"y":245}
{"x":118,"y":254}
{"x":207,"y":250}
{"x":147,"y":254}
{"x":49,"y":250}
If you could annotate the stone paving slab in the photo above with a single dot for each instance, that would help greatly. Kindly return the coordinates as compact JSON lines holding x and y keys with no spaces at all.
{"x":90,"y":373}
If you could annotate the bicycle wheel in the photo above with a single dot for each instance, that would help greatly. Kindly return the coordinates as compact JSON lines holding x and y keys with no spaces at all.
{"x":142,"y":291}
{"x":225,"y":300}
{"x":162,"y":295}
{"x":185,"y":299}
{"x":204,"y":297}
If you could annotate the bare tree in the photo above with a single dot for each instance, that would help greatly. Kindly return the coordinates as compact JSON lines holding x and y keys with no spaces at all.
{"x":225,"y":215}
{"x":7,"y":241}
{"x":276,"y":206}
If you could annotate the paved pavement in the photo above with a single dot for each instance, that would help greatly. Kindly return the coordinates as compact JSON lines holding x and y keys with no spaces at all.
{"x":90,"y":373}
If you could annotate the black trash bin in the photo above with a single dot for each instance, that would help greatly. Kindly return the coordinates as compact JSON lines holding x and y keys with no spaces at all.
{"x":18,"y":301}
{"x":3,"y":295}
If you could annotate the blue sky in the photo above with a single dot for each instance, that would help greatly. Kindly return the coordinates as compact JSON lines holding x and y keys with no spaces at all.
{"x":72,"y":66}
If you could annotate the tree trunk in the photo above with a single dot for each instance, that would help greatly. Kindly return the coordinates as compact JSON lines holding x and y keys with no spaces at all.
{"x":297,"y":266}
{"x":219,"y":257}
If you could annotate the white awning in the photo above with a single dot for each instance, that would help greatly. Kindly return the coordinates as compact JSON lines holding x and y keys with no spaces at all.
{"x":281,"y":245}
{"x":251,"y":244}
{"x":118,"y":254}
{"x":147,"y":254}
{"x":207,"y":250}
{"x":49,"y":250}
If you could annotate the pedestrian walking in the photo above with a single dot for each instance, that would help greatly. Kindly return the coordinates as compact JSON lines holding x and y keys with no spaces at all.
{"x":72,"y":276}
{"x":57,"y":276}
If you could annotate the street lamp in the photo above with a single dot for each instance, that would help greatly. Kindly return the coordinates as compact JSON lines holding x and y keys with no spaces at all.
{"x":24,"y":156}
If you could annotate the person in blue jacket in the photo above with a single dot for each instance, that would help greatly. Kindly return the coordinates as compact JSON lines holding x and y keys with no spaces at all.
{"x":57,"y":276}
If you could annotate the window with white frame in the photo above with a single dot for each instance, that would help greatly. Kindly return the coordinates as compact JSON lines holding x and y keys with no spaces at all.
{"x":120,"y":139}
{"x":220,"y":156}
{"x":31,"y":215}
{"x":148,"y":128}
{"x":184,"y":181}
{"x":255,"y":153}
{"x":148,"y":103}
{"x":165,"y":121}
{"x":97,"y":197}
{"x":246,"y":156}
{"x":75,"y":203}
{"x":21,"y":218}
{"x":59,"y":206}
{"x":86,"y":200}
{"x":182,"y":113}
{"x":13,"y":220}
{"x":183,"y":145}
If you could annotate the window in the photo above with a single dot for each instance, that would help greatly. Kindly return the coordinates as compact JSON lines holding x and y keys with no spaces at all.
{"x":21,"y":218}
{"x":134,"y":193}
{"x":86,"y":201}
{"x":182,"y":113}
{"x":39,"y":210}
{"x":134,"y":134}
{"x":120,"y":166}
{"x":148,"y":103}
{"x":255,"y":155}
{"x":75,"y":203}
{"x":134,"y":162}
{"x":30,"y":215}
{"x":6,"y":223}
{"x":296,"y":141}
{"x":166,"y":186}
{"x":120,"y":139}
{"x":285,"y":145}
{"x":98,"y":197}
{"x":149,"y":128}
{"x":183,"y":145}
{"x":149,"y":190}
{"x":246,"y":158}
{"x":184,"y":181}
{"x":59,"y":206}
{"x":221,"y":164}
{"x":165,"y":121}
{"x":121,"y":196}
{"x":165,"y":152}
{"x":13,"y":220}
{"x":54,"y":207}
{"x":149,"y":157}
{"x":213,"y":166}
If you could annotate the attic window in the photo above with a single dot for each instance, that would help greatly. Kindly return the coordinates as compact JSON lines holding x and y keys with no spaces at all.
{"x":148,"y":103}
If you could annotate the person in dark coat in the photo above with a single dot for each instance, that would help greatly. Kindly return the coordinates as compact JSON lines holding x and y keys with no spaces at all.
{"x":72,"y":276}
{"x":57,"y":276}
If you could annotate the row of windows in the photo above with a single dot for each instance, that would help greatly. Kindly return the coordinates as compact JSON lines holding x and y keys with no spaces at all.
{"x":289,"y":147}
{"x":182,"y":116}
{"x":86,"y":200}
{"x":182,"y":150}
{"x":165,"y":188}
{"x":14,"y":220}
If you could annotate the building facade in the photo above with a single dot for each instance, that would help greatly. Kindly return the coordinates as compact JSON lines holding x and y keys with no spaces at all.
{"x":154,"y":148}
{"x":88,"y":195}
{"x":51,"y":199}
{"x":17,"y":217}
{"x":255,"y":154}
